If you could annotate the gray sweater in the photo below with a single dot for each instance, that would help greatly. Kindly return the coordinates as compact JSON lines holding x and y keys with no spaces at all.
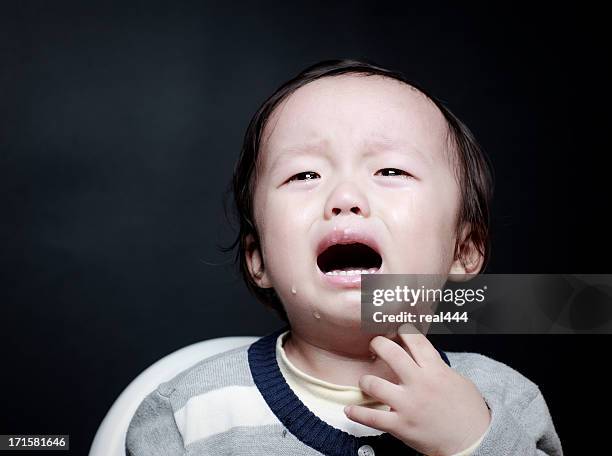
{"x":238,"y":403}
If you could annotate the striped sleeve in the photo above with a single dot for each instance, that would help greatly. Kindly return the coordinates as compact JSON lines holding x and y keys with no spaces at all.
{"x":153,"y":430}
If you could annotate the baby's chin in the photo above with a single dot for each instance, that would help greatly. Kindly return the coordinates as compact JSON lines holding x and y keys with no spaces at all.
{"x":341,"y":308}
{"x":343,"y":312}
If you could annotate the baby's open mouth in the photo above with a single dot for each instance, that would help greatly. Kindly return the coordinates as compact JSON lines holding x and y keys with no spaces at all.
{"x":349,"y":259}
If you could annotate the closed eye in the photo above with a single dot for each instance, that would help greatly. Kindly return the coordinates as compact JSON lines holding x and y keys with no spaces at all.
{"x":394,"y":172}
{"x":306,"y":175}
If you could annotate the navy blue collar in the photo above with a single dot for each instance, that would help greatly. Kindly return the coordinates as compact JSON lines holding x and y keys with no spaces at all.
{"x":299,"y":420}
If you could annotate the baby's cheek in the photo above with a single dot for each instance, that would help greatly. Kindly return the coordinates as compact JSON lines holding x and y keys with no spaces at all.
{"x":421,"y":242}
{"x":285,"y":215}
{"x":285,"y":251}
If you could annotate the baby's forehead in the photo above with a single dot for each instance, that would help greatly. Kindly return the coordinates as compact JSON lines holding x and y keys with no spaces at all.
{"x":351,"y":110}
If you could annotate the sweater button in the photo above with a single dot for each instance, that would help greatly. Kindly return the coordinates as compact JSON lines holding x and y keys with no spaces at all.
{"x":365,"y":450}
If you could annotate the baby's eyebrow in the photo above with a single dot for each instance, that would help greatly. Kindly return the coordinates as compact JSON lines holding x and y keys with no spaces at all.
{"x":371,"y":146}
{"x":381,"y":144}
{"x":310,"y":148}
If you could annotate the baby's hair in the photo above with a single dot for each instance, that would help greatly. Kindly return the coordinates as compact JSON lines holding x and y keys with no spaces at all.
{"x":473,"y":172}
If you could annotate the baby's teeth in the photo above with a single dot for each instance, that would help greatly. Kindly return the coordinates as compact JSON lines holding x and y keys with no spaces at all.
{"x":351,"y":272}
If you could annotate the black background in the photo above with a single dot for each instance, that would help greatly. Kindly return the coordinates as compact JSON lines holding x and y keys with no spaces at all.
{"x":120,"y":125}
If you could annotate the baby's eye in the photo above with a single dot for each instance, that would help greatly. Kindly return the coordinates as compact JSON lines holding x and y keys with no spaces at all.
{"x":309,"y":175}
{"x":394,"y":172}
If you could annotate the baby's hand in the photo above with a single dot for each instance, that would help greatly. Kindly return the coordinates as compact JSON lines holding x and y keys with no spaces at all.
{"x":434,"y":409}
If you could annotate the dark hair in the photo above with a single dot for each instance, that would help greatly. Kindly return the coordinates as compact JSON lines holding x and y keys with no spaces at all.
{"x":474,"y":172}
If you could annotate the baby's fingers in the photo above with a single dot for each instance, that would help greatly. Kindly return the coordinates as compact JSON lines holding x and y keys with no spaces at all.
{"x":420,"y":348}
{"x":380,"y":389}
{"x":374,"y":418}
{"x":396,"y":357}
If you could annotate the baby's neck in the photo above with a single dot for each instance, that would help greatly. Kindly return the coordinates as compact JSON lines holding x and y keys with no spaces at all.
{"x":332,"y":362}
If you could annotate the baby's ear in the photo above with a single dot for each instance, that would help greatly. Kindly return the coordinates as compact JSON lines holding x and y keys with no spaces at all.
{"x":468,"y":259}
{"x":255,"y":264}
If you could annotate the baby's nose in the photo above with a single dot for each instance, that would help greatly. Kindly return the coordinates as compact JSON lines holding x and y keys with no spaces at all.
{"x":354,"y":209}
{"x":347,"y":198}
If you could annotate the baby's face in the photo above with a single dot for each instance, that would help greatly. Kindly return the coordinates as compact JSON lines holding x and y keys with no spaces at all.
{"x":352,"y":159}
